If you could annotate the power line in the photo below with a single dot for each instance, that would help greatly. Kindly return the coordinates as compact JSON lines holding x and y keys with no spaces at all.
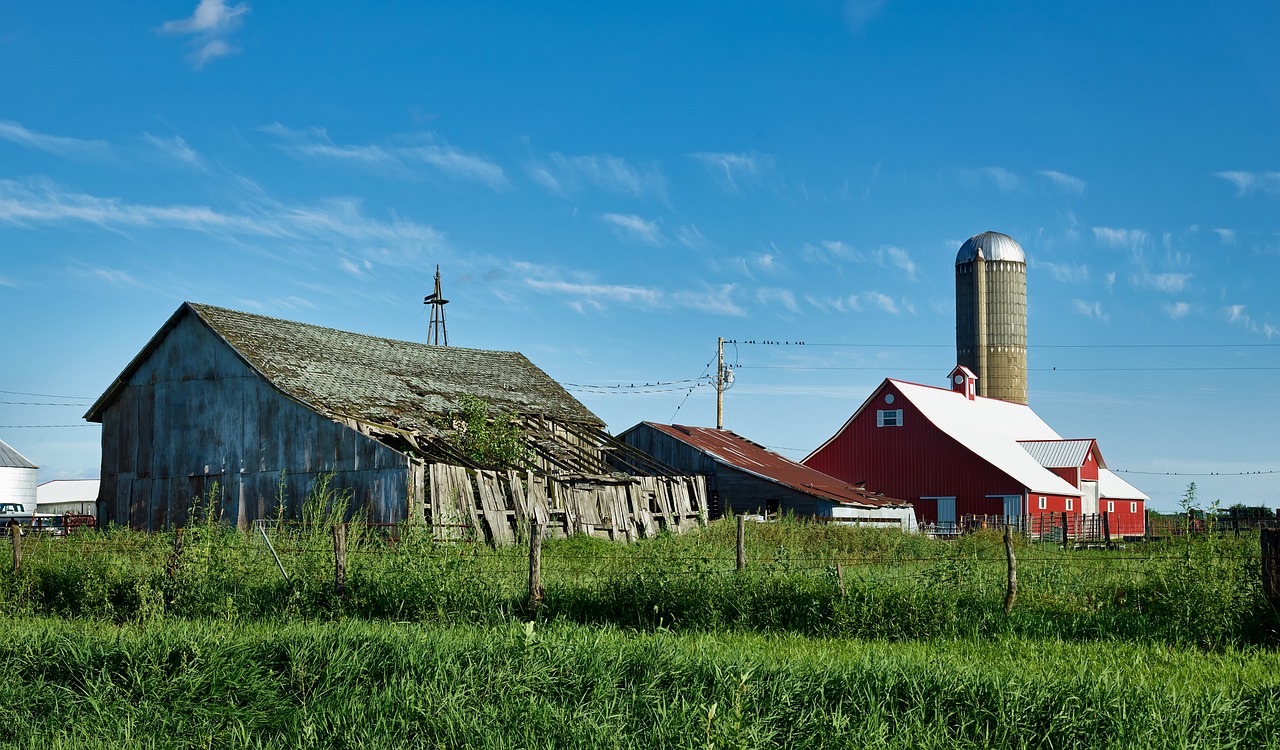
{"x":39,"y":403}
{"x":881,"y":368}
{"x":48,"y":395}
{"x":43,"y":426}
{"x":766,"y":342}
{"x":691,"y":390}
{"x":1199,"y":474}
{"x":633,"y":385}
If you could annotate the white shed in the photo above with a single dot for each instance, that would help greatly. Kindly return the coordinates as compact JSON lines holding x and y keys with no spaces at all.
{"x":60,"y":496}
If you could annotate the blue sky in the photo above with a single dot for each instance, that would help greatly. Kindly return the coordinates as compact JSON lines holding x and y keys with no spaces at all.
{"x":610,"y":188}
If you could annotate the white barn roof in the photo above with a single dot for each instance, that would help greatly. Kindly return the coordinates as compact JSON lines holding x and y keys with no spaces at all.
{"x":1112,"y":487}
{"x":68,"y":491}
{"x":991,"y":428}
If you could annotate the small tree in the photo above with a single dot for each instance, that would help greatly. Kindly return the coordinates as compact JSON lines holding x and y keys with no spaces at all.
{"x":490,"y":439}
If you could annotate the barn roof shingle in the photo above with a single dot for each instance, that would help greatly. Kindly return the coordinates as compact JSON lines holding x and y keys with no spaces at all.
{"x":383,"y":381}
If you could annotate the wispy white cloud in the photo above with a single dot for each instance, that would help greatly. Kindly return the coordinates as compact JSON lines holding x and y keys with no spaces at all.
{"x":1002,"y":179}
{"x":1228,"y":236}
{"x":1127,"y":239}
{"x":635,"y":229}
{"x":1064,"y":182}
{"x":1178,"y":310}
{"x":54,"y":144}
{"x":1237,"y":315}
{"x":403,"y":159}
{"x":598,"y":294}
{"x":564,"y":174}
{"x":898,"y":257}
{"x":717,"y":300}
{"x":751,"y":266}
{"x":115,"y":277}
{"x":837,"y":253}
{"x":691,"y":237}
{"x":1089,"y":309}
{"x":769,"y":297}
{"x":175,"y":149}
{"x":858,"y":303}
{"x":734,"y":172}
{"x":1067,"y":273}
{"x":1162,"y":282}
{"x":360,"y":269}
{"x":1248,"y":183}
{"x":860,"y":12}
{"x":211,"y":27}
{"x":583,"y":293}
{"x":42,"y":203}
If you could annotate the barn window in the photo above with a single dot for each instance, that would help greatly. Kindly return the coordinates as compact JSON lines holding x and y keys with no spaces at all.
{"x":1071,"y":503}
{"x":1133,"y":507}
{"x":1044,"y":503}
{"x":889,"y":418}
{"x":1111,"y":506}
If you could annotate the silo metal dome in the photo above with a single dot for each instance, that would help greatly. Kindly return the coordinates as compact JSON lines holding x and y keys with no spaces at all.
{"x":994,"y":246}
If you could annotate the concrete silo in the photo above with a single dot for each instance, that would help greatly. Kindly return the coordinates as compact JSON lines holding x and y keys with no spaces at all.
{"x":991,"y":314}
{"x":17,"y":479}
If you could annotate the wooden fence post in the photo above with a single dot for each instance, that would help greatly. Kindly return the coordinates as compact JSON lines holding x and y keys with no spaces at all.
{"x":1064,"y":529}
{"x":1012,"y":592}
{"x":17,"y":547}
{"x":1106,"y":530}
{"x":535,"y":564}
{"x":742,"y":542}
{"x":339,"y":558}
{"x":1271,"y":565}
{"x":175,"y":559}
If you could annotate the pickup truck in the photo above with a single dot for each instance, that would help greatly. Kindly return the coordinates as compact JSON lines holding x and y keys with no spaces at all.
{"x":14,"y":514}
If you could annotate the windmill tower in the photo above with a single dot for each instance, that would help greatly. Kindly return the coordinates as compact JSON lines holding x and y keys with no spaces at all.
{"x":991,"y":314}
{"x":437,"y":335}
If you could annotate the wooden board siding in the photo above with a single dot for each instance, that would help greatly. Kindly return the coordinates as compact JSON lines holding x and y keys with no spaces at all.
{"x":496,"y":507}
{"x":194,"y":415}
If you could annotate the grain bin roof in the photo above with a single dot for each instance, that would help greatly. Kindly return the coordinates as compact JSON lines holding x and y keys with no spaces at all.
{"x":377,"y":380}
{"x":993,"y":246}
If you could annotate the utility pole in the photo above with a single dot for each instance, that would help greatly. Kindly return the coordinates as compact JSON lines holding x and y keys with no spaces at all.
{"x":720,"y":383}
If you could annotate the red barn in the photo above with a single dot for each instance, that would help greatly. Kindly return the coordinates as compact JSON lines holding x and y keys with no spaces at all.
{"x":952,"y":453}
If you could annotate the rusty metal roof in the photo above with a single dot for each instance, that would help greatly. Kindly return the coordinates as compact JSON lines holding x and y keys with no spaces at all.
{"x":733,"y":450}
{"x":384,"y":381}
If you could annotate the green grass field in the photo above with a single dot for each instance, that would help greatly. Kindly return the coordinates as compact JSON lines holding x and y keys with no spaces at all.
{"x":832,"y":637}
{"x":362,"y":684}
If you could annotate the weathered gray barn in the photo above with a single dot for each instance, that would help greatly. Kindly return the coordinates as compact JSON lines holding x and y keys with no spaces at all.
{"x":745,"y":477}
{"x":254,"y":409}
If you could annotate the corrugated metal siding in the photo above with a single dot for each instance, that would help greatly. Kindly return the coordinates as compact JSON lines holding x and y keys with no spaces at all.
{"x":913,"y":461}
{"x":1058,"y":454}
{"x":194,"y":415}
